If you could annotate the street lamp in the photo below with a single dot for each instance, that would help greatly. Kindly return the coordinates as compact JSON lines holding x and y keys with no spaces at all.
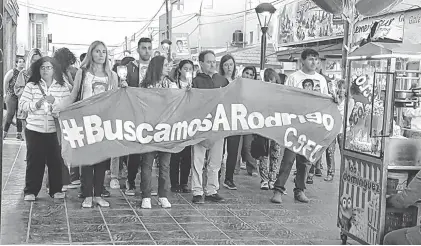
{"x":264,"y":13}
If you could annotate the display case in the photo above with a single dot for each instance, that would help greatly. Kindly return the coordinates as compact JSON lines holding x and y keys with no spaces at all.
{"x":382,"y":152}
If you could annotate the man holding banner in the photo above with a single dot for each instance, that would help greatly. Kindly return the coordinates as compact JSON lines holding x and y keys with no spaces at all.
{"x":135,"y":75}
{"x":309,"y":59}
{"x":199,"y":118}
{"x":209,"y":79}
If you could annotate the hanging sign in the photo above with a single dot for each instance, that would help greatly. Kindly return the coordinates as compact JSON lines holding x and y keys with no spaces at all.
{"x":412,"y":27}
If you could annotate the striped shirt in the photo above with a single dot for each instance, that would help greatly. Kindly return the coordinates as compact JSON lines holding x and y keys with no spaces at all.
{"x":38,"y":119}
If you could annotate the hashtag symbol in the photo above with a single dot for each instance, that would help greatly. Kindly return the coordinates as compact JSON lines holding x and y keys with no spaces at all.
{"x":73,"y":133}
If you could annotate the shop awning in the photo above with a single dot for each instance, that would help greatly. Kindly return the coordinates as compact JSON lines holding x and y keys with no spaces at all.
{"x":327,"y":50}
{"x":386,"y":50}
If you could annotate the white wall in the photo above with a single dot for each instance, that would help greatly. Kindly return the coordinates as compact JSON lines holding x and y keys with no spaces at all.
{"x":24,"y":27}
{"x":219,"y":31}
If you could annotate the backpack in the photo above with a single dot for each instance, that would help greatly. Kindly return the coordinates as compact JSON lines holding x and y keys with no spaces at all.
{"x":259,"y":146}
{"x":79,"y":93}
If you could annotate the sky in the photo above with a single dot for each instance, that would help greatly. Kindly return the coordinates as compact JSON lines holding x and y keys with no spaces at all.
{"x":70,"y":30}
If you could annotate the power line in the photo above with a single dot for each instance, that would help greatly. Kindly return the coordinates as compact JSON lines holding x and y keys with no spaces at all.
{"x":178,"y":25}
{"x":241,"y":12}
{"x":146,"y":25}
{"x":150,"y":21}
{"x":193,"y":30}
{"x":79,"y":17}
{"x":88,"y":14}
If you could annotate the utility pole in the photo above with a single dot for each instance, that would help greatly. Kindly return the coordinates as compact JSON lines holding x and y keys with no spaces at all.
{"x":168,"y":26}
{"x":245,"y":24}
{"x":199,"y":37}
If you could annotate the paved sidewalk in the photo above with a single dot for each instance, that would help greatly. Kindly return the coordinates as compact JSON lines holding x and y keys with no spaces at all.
{"x":247,"y":216}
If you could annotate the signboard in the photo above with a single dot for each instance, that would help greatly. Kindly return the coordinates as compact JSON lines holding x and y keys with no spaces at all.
{"x":390,"y":29}
{"x":364,"y":75}
{"x":181,"y":47}
{"x":359,"y":199}
{"x":304,"y":21}
{"x":412,"y":27}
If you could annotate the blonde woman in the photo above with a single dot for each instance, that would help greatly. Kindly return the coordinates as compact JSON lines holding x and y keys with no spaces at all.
{"x":94,"y":77}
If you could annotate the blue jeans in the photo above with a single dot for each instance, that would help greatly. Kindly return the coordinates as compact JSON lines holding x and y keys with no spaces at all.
{"x":285,"y":169}
{"x":164,"y":174}
{"x":12,"y":109}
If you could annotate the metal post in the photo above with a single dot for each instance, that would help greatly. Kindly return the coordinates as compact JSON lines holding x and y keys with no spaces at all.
{"x":199,"y":36}
{"x":168,"y":26}
{"x":1,"y":91}
{"x":245,"y":24}
{"x":344,"y":48}
{"x":263,"y":49}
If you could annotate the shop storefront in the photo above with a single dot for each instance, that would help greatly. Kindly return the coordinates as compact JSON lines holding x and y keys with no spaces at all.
{"x":10,"y":26}
{"x":382,"y":147}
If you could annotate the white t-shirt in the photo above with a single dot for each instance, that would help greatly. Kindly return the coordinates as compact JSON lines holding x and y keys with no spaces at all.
{"x":296,"y":80}
{"x":142,"y":71}
{"x":94,"y":85}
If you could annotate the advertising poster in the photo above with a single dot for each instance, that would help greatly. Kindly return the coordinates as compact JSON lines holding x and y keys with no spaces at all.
{"x":363,"y":76}
{"x":412,"y":27}
{"x":180,"y":46}
{"x":389,"y":29}
{"x":304,"y":21}
{"x":359,"y":199}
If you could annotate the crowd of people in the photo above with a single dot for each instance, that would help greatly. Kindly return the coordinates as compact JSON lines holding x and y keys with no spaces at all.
{"x":41,"y":86}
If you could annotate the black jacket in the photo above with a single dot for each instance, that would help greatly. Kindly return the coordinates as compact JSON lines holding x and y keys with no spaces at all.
{"x":204,"y":81}
{"x":132,"y":75}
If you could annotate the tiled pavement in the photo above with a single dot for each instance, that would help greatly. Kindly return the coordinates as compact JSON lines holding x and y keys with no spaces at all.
{"x":247,"y":216}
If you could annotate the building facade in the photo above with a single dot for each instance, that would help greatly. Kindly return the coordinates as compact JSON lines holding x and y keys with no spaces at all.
{"x":32,"y":30}
{"x":11,"y":13}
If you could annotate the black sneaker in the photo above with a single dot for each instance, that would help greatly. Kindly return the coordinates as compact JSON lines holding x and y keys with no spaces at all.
{"x":309,"y":180}
{"x":176,"y":189}
{"x":318,"y":172}
{"x":229,"y":185}
{"x":185,"y":189}
{"x":214,"y":198}
{"x":105,"y":193}
{"x":198,"y":199}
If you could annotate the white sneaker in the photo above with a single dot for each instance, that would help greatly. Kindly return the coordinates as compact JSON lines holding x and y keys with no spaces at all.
{"x":29,"y":198}
{"x":76,"y":182}
{"x":59,"y":195}
{"x":101,"y":202}
{"x":163,"y":202}
{"x":264,"y":185}
{"x":87,"y":203}
{"x":64,"y":188}
{"x":73,"y":186}
{"x":114,"y":184}
{"x":146,"y":203}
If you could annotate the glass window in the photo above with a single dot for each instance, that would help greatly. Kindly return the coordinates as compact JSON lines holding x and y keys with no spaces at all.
{"x":368,"y":91}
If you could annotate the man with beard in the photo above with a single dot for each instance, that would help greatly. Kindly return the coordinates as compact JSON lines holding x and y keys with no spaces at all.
{"x":136,"y":71}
